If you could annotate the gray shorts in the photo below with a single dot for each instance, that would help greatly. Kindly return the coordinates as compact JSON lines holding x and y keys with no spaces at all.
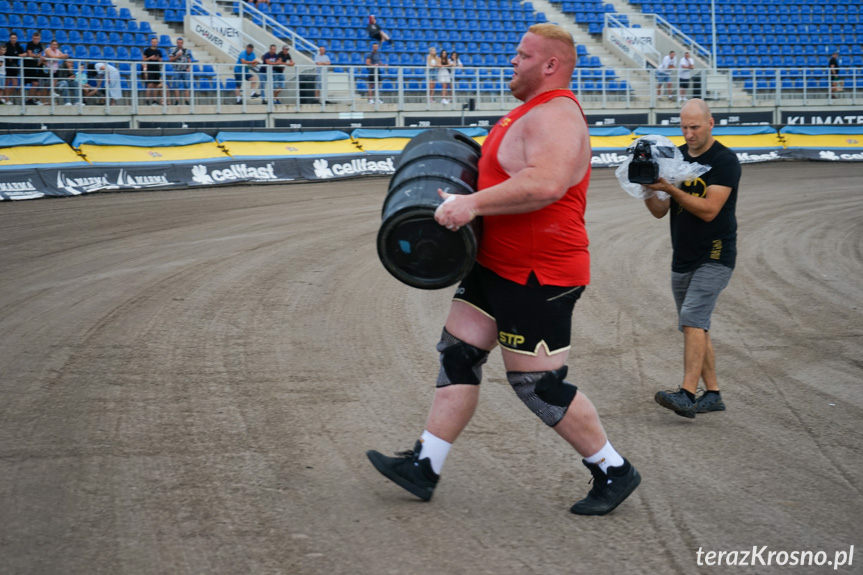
{"x":696,"y":292}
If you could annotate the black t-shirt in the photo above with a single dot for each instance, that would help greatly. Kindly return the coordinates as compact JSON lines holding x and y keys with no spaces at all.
{"x":374,"y":30}
{"x":33,"y":49}
{"x":284,"y":58}
{"x":14,"y":50}
{"x":833,"y":65}
{"x":152,"y":66}
{"x":696,"y":242}
{"x":270,"y":60}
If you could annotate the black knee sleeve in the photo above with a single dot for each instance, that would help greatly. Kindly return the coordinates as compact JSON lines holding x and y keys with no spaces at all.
{"x":544,"y":392}
{"x":460,"y":362}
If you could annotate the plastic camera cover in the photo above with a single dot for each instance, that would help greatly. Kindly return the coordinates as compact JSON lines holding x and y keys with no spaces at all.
{"x":672,"y":167}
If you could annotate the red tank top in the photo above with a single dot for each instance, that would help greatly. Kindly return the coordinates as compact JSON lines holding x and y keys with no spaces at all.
{"x":552,"y":241}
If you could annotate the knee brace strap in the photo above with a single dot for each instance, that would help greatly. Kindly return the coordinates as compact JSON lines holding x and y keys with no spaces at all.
{"x":544,"y":392}
{"x":460,"y":362}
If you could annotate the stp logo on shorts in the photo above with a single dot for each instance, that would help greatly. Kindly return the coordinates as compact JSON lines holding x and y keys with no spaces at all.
{"x":510,"y":339}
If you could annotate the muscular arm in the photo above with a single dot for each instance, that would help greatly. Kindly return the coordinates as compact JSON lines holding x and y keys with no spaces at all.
{"x":705,"y":208}
{"x":548,"y":153}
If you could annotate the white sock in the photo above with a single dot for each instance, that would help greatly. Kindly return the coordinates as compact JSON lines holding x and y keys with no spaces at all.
{"x":435,"y":450}
{"x":606,"y":457}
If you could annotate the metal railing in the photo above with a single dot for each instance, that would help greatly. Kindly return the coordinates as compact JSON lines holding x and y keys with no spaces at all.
{"x":217,"y":88}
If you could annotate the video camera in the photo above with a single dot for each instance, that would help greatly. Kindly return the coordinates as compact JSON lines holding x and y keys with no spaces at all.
{"x":644,"y":169}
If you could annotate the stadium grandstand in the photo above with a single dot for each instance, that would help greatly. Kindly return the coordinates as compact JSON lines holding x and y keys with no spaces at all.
{"x":765,"y":53}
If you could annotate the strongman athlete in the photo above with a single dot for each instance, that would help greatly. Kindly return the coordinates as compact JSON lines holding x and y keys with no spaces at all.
{"x":532,"y":266}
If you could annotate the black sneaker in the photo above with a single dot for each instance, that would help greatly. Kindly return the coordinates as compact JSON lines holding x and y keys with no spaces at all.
{"x":709,"y":402}
{"x":676,"y":401}
{"x":407,"y":471}
{"x":609,"y":489}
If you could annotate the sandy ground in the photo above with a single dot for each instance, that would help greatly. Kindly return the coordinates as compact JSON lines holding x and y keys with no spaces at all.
{"x":190,"y":380}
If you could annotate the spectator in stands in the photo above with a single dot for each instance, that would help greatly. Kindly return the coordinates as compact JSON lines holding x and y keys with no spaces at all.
{"x":91,"y":87}
{"x":321,"y":61}
{"x":278,"y":64}
{"x":444,"y":76}
{"x":246,"y":69}
{"x":374,"y":61}
{"x":258,"y":3}
{"x":67,"y":84}
{"x":432,"y":61}
{"x":687,"y":64}
{"x":34,"y":73}
{"x":3,"y":99}
{"x":836,"y":84}
{"x":153,"y":72}
{"x":54,"y":57}
{"x":109,"y":79}
{"x":180,"y":77}
{"x":663,"y":75}
{"x":14,"y":52}
{"x":376,"y":33}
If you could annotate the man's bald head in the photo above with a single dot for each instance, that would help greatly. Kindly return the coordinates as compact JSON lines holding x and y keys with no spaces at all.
{"x":696,"y":107}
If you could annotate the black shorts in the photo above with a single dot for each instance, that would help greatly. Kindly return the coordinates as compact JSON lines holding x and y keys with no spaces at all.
{"x":153,"y":77}
{"x":684,"y":82}
{"x":527,"y":316}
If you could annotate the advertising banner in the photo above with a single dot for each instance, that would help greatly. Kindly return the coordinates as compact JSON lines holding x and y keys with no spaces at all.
{"x":237,"y":171}
{"x":21,"y":185}
{"x":77,"y":181}
{"x":335,"y":167}
{"x":225,"y":34}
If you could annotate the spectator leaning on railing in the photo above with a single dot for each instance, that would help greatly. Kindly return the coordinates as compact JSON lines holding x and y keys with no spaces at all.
{"x":54,"y":57}
{"x":246,"y":69}
{"x":373,"y":61}
{"x":321,"y":61}
{"x":34,"y":74}
{"x":14,"y":52}
{"x":67,"y":84}
{"x":180,"y":78}
{"x":837,"y":85}
{"x":3,"y":99}
{"x":153,"y":72}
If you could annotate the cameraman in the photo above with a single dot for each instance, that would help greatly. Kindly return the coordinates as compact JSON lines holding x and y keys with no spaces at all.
{"x":704,"y":250}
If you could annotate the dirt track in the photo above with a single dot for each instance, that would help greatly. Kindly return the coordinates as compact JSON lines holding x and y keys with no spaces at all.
{"x":190,"y":379}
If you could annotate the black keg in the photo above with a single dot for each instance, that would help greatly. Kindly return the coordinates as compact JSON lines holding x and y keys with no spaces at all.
{"x":413,"y":247}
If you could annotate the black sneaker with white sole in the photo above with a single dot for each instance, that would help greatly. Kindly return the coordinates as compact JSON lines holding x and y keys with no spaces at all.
{"x":407,"y":470}
{"x":609,"y":488}
{"x":676,"y":401}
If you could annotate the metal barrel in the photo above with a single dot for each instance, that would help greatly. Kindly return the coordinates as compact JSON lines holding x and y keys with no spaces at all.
{"x":412,"y":246}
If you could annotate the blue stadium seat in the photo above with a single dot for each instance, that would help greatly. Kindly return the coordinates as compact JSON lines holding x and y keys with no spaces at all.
{"x":95,"y":53}
{"x":109,"y":53}
{"x":123,"y":53}
{"x":80,"y":52}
